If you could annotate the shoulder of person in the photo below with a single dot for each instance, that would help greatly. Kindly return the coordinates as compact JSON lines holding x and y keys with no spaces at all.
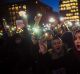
{"x":48,"y":53}
{"x":69,"y":52}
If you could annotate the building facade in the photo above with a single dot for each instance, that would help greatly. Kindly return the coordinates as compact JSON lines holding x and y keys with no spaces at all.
{"x":69,"y":9}
{"x":11,"y":10}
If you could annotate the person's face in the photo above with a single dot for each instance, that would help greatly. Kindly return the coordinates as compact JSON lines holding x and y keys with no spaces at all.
{"x":77,"y":41}
{"x":57,"y":45}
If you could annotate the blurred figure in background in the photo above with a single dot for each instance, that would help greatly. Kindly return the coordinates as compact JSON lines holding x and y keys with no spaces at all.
{"x":53,"y":61}
{"x":45,"y":42}
{"x":20,"y":54}
{"x":74,"y":55}
{"x":57,"y":56}
{"x":76,"y":52}
{"x":67,"y":39}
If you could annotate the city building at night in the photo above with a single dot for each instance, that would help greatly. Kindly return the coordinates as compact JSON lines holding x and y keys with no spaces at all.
{"x":69,"y":9}
{"x":11,"y":9}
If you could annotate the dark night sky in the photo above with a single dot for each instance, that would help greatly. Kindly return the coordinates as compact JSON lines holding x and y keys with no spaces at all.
{"x":53,"y":3}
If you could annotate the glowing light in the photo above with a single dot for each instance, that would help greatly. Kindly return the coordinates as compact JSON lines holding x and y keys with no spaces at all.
{"x":24,"y":6}
{"x":36,"y":30}
{"x":36,"y":2}
{"x":51,"y":20}
{"x":19,"y":28}
{"x":39,"y":14}
{"x":13,"y":28}
{"x":19,"y":31}
{"x":44,"y":30}
{"x":23,"y":14}
{"x":1,"y":33}
{"x":4,"y":19}
{"x":61,"y":19}
{"x":69,"y":23}
{"x":28,"y":26}
{"x":43,"y":24}
{"x":7,"y":26}
{"x":46,"y":34}
{"x":77,"y":23}
{"x":55,"y":27}
{"x":46,"y":27}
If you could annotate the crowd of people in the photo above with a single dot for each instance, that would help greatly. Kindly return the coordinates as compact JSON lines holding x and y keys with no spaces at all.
{"x":51,"y":54}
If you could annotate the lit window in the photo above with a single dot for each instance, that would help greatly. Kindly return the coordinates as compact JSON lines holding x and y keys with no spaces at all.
{"x":71,"y":0}
{"x":68,"y":8}
{"x":73,"y":7}
{"x":77,"y":16}
{"x":64,"y":1}
{"x":67,"y":1}
{"x":67,"y":14}
{"x":73,"y":10}
{"x":62,"y":8}
{"x":76,"y":9}
{"x":75,"y":0}
{"x":71,"y":17}
{"x":67,"y":5}
{"x":76,"y":13}
{"x":77,"y":19}
{"x":66,"y":17}
{"x":16,"y":8}
{"x":71,"y":4}
{"x":12,"y":8}
{"x":76,"y":3}
{"x":24,"y":7}
{"x":63,"y":5}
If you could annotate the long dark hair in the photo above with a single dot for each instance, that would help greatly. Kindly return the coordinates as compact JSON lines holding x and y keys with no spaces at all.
{"x":77,"y":31}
